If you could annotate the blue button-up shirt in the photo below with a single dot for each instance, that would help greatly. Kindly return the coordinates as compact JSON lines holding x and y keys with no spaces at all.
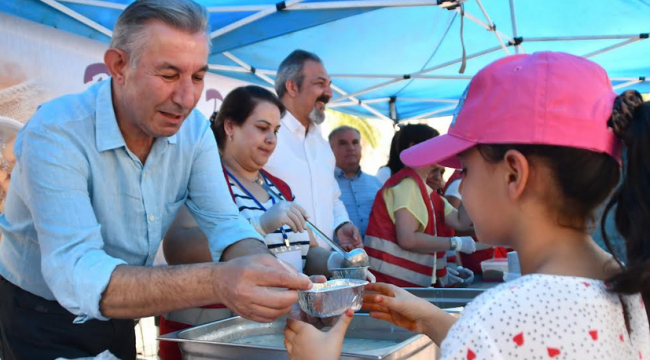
{"x":80,"y":203}
{"x":358,"y":195}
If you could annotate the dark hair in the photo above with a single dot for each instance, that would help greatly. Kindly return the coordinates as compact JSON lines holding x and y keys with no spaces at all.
{"x":630,"y":121}
{"x":291,"y":69}
{"x":406,"y":137}
{"x":237,"y":107}
{"x":583,"y":178}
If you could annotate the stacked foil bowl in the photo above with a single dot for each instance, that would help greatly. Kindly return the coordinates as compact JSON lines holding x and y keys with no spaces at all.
{"x":357,"y":273}
{"x":332,"y":298}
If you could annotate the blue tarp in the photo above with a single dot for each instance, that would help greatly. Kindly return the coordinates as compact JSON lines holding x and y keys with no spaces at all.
{"x":397,"y":41}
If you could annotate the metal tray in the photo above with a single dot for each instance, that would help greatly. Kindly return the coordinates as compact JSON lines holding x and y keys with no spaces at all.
{"x":214,"y":341}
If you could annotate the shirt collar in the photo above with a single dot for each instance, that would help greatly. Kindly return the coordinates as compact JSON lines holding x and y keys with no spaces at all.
{"x":107,"y":132}
{"x":340,"y":173}
{"x":293,"y":125}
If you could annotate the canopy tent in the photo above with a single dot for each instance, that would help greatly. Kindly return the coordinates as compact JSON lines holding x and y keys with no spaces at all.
{"x":392,"y":59}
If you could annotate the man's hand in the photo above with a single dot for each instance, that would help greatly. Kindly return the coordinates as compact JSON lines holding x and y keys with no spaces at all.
{"x":246,"y":286}
{"x":349,"y":237}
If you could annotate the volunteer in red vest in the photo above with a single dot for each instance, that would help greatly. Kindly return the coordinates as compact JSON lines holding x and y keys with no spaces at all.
{"x":245,"y":129}
{"x":408,"y":224}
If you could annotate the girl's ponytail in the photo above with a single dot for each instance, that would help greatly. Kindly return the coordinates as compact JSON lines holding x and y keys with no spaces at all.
{"x":630,"y":121}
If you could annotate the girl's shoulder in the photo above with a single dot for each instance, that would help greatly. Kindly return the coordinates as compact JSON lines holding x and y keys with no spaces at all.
{"x":548,"y":315}
{"x":539,"y":292}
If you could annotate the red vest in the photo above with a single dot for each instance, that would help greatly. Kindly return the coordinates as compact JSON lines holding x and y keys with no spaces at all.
{"x":388,"y":261}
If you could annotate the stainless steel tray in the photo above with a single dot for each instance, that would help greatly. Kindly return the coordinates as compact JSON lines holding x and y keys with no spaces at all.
{"x":221,"y":334}
{"x":446,"y":298}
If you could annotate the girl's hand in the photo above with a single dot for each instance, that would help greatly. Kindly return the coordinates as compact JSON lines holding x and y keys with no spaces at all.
{"x":397,"y":306}
{"x":304,"y":342}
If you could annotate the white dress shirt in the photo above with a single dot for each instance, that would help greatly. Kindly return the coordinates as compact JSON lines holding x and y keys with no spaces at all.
{"x":306,"y":163}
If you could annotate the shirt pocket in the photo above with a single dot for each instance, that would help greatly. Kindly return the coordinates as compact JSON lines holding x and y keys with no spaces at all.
{"x":170,"y":211}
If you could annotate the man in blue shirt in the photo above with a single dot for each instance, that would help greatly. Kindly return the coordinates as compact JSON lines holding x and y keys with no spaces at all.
{"x":358,"y":189}
{"x":99,"y":178}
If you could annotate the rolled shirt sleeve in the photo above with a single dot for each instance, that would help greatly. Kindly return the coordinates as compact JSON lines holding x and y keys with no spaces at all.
{"x":210,"y":202}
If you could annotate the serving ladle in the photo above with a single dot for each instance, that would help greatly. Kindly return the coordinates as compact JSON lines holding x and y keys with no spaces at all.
{"x":353,"y":258}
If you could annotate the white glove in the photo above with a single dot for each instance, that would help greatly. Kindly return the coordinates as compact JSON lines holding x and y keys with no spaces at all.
{"x":460,"y":276}
{"x":283,"y":213}
{"x":466,"y":244}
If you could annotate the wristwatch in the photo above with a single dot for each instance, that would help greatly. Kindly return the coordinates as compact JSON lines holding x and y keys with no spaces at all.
{"x":454,"y":241}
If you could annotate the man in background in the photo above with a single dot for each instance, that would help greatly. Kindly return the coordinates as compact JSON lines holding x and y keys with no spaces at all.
{"x":358,"y":189}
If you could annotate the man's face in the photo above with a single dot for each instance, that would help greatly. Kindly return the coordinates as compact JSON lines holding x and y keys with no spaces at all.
{"x":346,"y":146}
{"x":315,"y":91}
{"x":165,"y":85}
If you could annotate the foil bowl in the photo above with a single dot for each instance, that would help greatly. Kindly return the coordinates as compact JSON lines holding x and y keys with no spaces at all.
{"x":332,"y":298}
{"x":358,"y":273}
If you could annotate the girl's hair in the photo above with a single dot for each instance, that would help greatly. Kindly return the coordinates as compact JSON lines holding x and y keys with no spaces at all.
{"x":630,"y":121}
{"x":237,"y":107}
{"x":408,"y":136}
{"x":585,"y":179}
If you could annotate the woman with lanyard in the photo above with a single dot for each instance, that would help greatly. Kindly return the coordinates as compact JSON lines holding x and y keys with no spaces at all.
{"x":245,"y":129}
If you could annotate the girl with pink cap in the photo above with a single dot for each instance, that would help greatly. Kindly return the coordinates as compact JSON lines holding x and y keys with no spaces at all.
{"x":539,"y":138}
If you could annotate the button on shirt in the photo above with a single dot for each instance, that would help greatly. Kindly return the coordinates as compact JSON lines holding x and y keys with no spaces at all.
{"x":81,"y":203}
{"x":358,"y":195}
{"x":306,"y":163}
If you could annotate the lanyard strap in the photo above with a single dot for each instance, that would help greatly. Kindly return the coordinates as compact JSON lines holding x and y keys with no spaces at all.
{"x":284,"y":235}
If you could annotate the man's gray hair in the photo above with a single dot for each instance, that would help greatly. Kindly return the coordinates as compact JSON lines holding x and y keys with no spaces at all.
{"x":184,"y":15}
{"x":341,"y":129}
{"x":291,"y":69}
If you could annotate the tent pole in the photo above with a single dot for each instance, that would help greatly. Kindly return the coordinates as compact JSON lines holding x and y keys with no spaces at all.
{"x":393,"y":76}
{"x":408,"y":77}
{"x":249,"y":19}
{"x":359,"y":102}
{"x":493,"y":28}
{"x":438,"y":111}
{"x":513,"y":20}
{"x":626,"y":84}
{"x":392,"y":108}
{"x":239,"y":69}
{"x":330,"y":5}
{"x":97,"y":3}
{"x":75,"y":15}
{"x":248,"y":67}
{"x":612,"y":47}
{"x":451,"y":101}
{"x":579,"y":38}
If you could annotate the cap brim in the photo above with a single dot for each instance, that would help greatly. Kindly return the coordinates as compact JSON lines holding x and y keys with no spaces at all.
{"x":440,"y":150}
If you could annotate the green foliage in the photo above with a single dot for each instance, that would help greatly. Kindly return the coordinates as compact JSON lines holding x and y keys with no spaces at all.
{"x":369,"y":133}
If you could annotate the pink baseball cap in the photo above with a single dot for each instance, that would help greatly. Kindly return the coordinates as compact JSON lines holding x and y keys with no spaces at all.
{"x":545,"y":98}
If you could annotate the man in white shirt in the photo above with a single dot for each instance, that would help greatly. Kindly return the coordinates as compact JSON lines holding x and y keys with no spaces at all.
{"x":303,"y":158}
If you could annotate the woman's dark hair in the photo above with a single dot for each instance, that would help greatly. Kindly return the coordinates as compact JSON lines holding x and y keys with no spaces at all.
{"x":406,"y":137}
{"x":237,"y":107}
{"x":630,"y":121}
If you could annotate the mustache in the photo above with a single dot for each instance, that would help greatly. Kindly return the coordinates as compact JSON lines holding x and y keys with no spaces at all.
{"x":324,"y":98}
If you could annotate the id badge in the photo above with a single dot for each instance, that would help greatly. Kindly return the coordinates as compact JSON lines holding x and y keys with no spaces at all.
{"x":291,"y":255}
